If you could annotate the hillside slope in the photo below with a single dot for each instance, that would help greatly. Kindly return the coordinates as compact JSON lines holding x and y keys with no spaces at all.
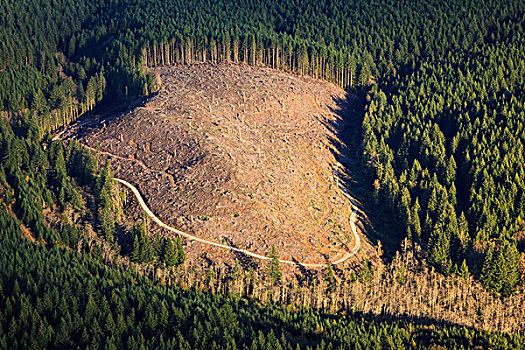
{"x":240,"y":155}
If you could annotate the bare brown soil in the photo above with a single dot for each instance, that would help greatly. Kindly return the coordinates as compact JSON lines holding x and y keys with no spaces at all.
{"x":237,"y":154}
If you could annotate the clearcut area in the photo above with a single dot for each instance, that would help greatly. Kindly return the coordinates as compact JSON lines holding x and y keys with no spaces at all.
{"x":238,"y":155}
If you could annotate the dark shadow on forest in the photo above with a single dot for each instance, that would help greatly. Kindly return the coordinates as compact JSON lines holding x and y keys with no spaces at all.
{"x":304,"y":276}
{"x":347,"y":149}
{"x":244,"y":260}
{"x":204,"y":256}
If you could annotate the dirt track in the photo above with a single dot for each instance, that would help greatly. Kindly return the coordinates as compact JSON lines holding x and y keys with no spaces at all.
{"x":352,"y":219}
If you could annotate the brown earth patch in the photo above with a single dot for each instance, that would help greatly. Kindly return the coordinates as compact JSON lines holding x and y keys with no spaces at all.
{"x":237,"y":154}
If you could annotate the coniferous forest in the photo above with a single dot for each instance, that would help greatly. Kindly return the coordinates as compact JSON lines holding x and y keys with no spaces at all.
{"x":439,"y":143}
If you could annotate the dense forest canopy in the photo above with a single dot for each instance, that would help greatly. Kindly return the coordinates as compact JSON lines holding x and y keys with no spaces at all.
{"x":441,"y":141}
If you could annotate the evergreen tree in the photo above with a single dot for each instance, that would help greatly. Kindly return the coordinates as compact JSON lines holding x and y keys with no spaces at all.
{"x":168,"y":253}
{"x":329,"y":274}
{"x":439,"y":248}
{"x":488,"y":271}
{"x":135,"y":253}
{"x":106,"y":215}
{"x":463,"y":270}
{"x":501,"y":271}
{"x":180,"y":254}
{"x":511,"y":268}
{"x":416,"y":223}
{"x":274,"y":267}
{"x":146,"y":249}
